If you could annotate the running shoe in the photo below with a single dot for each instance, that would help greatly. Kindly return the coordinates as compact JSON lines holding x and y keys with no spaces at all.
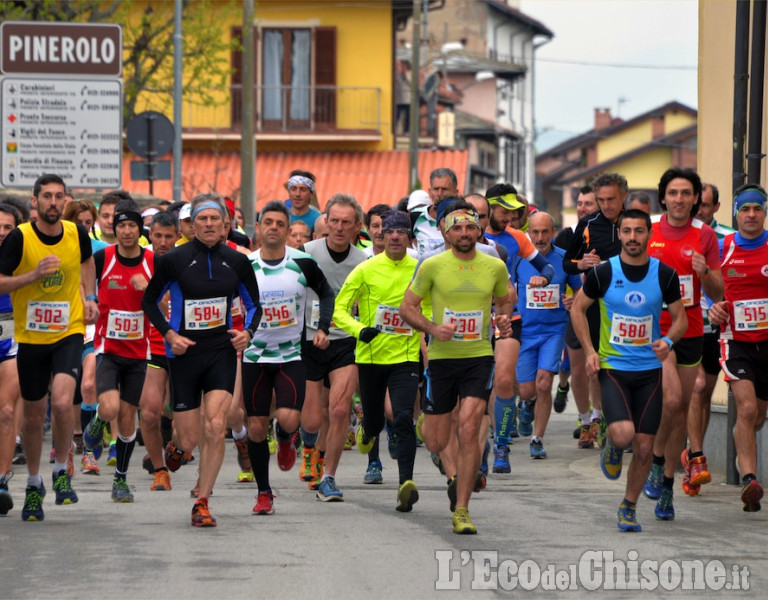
{"x":392,"y":440}
{"x":435,"y":457}
{"x":419,"y":424}
{"x":452,"y":493}
{"x":265,"y":504}
{"x":33,"y":504}
{"x":364,"y":443}
{"x":601,"y":434}
{"x":537,"y":450}
{"x":501,"y":459}
{"x":246,"y":477}
{"x":120,"y":490}
{"x":92,"y":436}
{"x":484,"y":459}
{"x":611,"y":460}
{"x":286,"y":454}
{"x":512,"y":431}
{"x":627,"y":518}
{"x":162,"y":481}
{"x":6,"y":502}
{"x":71,"y":461}
{"x":201,"y":515}
{"x":271,"y":441}
{"x":525,"y":418}
{"x":243,"y":460}
{"x":112,"y":455}
{"x":18,"y":456}
{"x":664,"y":510}
{"x":652,"y":487}
{"x":462,"y":524}
{"x":373,"y":473}
{"x":174,"y":458}
{"x":695,"y":472}
{"x":308,"y":468}
{"x":79,"y":443}
{"x":594,"y":430}
{"x":88,"y":464}
{"x":328,"y":492}
{"x":480,"y":482}
{"x":561,"y":398}
{"x":351,"y":441}
{"x":585,"y":438}
{"x":315,"y":483}
{"x":751,"y":493}
{"x":407,"y":496}
{"x":62,"y":485}
{"x":146,"y":464}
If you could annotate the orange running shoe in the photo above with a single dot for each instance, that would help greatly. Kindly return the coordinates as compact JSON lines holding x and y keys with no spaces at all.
{"x":162,"y":482}
{"x":201,"y":515}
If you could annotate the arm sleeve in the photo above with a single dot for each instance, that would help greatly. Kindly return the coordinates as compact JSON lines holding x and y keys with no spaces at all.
{"x":597,"y":281}
{"x":10,"y":252}
{"x":348,"y":293}
{"x":316,"y":281}
{"x":542,"y":266}
{"x":669,"y":283}
{"x":248,"y":289}
{"x":85,"y":243}
{"x":575,"y":251}
{"x":98,"y":262}
{"x":155,"y":291}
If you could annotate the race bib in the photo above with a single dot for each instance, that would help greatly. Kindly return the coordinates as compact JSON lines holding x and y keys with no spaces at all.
{"x":237,"y":307}
{"x":542,"y":298}
{"x":6,"y":326}
{"x":208,"y":313}
{"x":631,"y":331}
{"x":750,"y":315}
{"x":686,"y":289}
{"x":278,"y":313}
{"x":125,"y":325}
{"x":314,"y":317}
{"x":469,"y":324}
{"x":47,"y":317}
{"x":388,"y":320}
{"x":90,"y":333}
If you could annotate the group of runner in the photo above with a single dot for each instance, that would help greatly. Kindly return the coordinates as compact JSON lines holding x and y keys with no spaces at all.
{"x":457,"y":310}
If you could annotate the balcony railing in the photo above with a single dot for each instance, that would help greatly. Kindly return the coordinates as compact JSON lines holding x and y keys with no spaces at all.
{"x":291,"y":109}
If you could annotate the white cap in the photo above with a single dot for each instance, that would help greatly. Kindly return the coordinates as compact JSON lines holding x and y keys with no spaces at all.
{"x":418,"y":198}
{"x":185,"y":212}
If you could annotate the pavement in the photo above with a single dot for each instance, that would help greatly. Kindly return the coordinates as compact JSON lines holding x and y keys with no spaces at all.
{"x":547,"y":530}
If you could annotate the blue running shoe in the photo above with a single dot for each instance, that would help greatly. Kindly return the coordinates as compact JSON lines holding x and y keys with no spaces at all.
{"x":62,"y":485}
{"x":112,"y":456}
{"x":328,"y":492}
{"x":92,"y":435}
{"x":120,"y":490}
{"x":484,"y":460}
{"x":373,"y":473}
{"x":33,"y":504}
{"x":627,"y":519}
{"x":6,"y":502}
{"x":501,"y":460}
{"x":392,"y":441}
{"x":611,"y":460}
{"x":537,"y":450}
{"x":664,"y":510}
{"x":652,"y":487}
{"x":525,"y":419}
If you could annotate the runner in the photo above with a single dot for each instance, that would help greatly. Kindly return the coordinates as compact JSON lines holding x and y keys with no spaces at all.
{"x":629,"y":290}
{"x":202,"y":276}
{"x":49,"y":323}
{"x":462,"y":285}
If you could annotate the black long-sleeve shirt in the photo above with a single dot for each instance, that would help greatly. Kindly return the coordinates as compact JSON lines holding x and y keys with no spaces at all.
{"x":594,"y":232}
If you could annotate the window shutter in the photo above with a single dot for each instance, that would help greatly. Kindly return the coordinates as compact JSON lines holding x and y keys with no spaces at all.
{"x":237,"y":76}
{"x":325,"y":75}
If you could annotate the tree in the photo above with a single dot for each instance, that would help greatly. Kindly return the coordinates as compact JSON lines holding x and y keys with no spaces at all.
{"x":148,"y":43}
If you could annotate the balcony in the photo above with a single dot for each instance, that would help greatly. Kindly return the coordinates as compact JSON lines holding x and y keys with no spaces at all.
{"x":321,"y":112}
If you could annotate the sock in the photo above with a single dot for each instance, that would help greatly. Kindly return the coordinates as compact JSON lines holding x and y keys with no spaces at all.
{"x":322,"y":454}
{"x":35,"y":481}
{"x":18,"y":439}
{"x":584,"y":418}
{"x":124,"y":450}
{"x":240,"y":434}
{"x":503,"y":413}
{"x":373,"y":454}
{"x":692,"y":455}
{"x":281,"y":434}
{"x":161,"y":469}
{"x":747,"y":478}
{"x":535,"y":438}
{"x":59,"y":467}
{"x":564,"y":388}
{"x":258,"y":452}
{"x":597,"y":415}
{"x":668,"y":482}
{"x":628,"y":504}
{"x":658,"y":460}
{"x":309,"y":439}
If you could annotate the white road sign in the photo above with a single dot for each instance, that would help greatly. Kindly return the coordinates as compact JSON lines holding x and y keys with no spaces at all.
{"x":65,"y":126}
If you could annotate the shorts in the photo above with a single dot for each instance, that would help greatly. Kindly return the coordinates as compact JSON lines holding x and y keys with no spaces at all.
{"x":688,"y":351}
{"x":746,"y":360}
{"x":517,"y":329}
{"x":571,"y":341}
{"x":450,"y":379}
{"x":710,"y":353}
{"x":118,"y":373}
{"x":635,"y":396}
{"x":338,"y":354}
{"x":158,"y":361}
{"x":192,"y":376}
{"x":37,"y":363}
{"x":288,"y":380}
{"x":539,"y":352}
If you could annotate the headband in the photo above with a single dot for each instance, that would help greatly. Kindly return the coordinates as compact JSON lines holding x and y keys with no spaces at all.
{"x":149,"y":212}
{"x":396,"y":219}
{"x":508,"y":201}
{"x":301,"y":180}
{"x":129,"y":215}
{"x":749,"y":196}
{"x":461,"y":216}
{"x":205,"y":206}
{"x":444,"y":207}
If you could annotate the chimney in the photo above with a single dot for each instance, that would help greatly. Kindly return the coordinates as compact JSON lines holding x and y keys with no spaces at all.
{"x":603,"y":119}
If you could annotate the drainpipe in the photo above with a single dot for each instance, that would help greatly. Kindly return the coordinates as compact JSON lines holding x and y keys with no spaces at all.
{"x":757,"y":74}
{"x":415,"y":122}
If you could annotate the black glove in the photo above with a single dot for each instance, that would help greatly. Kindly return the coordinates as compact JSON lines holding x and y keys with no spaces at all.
{"x":368,"y":333}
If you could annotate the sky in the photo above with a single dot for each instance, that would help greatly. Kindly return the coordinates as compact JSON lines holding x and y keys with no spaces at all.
{"x":595,"y":57}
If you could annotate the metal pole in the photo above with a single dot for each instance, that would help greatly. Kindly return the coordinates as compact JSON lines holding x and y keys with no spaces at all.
{"x":413,"y":173}
{"x":150,"y":154}
{"x":177,"y":79}
{"x":757,"y":73}
{"x":248,"y":137}
{"x":740,"y":76}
